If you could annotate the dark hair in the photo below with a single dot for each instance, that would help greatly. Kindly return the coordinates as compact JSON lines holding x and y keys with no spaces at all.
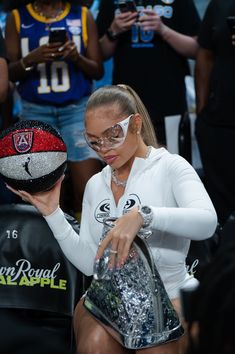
{"x":129,"y":102}
{"x":213,"y":306}
{"x":8,"y":5}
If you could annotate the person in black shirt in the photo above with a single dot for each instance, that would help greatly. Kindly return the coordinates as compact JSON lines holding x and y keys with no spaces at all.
{"x":150,"y":50}
{"x":215,"y":92}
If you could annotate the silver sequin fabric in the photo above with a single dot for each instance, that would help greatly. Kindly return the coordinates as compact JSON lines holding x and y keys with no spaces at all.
{"x":131,"y":302}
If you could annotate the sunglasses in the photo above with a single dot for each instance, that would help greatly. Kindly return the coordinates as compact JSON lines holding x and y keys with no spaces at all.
{"x":112,"y":137}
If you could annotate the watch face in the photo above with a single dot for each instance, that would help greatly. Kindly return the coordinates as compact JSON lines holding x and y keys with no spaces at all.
{"x":146,"y":210}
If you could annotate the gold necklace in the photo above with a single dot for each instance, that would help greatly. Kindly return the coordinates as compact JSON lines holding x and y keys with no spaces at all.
{"x":50,"y":18}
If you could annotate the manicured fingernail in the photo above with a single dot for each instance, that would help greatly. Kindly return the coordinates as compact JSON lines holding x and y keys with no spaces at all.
{"x":122,"y":262}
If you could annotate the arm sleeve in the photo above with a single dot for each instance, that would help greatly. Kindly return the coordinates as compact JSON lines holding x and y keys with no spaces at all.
{"x":195,"y":217}
{"x":79,"y":249}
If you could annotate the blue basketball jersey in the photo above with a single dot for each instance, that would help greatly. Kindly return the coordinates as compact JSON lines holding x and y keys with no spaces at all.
{"x":58,"y":82}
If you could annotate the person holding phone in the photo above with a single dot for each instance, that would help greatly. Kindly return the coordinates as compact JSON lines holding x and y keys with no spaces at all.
{"x":215,"y":93}
{"x":54,"y":79}
{"x":150,"y":42}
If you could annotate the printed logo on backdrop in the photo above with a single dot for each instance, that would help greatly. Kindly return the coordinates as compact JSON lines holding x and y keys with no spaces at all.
{"x":102,"y":210}
{"x":23,"y":141}
{"x":23,"y":274}
{"x":191,"y":269}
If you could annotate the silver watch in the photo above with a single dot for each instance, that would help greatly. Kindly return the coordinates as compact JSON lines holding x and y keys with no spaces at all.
{"x":147,"y":215}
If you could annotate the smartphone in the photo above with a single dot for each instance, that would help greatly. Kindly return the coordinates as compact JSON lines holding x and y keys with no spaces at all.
{"x":231,"y":24}
{"x":58,"y":34}
{"x":128,"y":5}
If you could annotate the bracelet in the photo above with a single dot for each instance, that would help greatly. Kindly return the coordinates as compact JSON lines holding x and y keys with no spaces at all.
{"x":111,"y":35}
{"x":26,"y":68}
{"x":146,"y":214}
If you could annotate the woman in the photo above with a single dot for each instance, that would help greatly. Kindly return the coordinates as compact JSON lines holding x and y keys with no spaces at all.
{"x":55,"y":79}
{"x":138,"y":174}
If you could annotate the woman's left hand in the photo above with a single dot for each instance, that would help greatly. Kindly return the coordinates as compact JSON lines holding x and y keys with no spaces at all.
{"x":46,"y":202}
{"x":120,"y":238}
{"x":69,"y":51}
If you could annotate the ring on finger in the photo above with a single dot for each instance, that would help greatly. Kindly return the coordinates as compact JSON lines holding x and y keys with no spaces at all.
{"x":113,"y":251}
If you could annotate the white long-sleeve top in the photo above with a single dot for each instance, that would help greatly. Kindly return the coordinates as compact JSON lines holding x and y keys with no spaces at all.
{"x":182,"y":211}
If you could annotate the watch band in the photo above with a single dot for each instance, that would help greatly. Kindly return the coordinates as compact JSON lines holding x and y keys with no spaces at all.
{"x":111,"y":35}
{"x":147,"y":215}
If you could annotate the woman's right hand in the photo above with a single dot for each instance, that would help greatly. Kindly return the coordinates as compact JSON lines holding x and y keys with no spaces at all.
{"x":120,"y":238}
{"x":46,"y":53}
{"x":46,"y":202}
{"x":123,"y":22}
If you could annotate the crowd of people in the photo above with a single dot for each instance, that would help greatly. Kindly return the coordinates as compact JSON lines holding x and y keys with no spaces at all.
{"x":115,"y":136}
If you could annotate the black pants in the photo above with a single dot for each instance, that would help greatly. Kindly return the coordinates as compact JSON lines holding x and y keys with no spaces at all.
{"x":217,"y":149}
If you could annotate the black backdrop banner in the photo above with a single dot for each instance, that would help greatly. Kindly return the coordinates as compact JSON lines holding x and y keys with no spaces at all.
{"x":34,"y":272}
